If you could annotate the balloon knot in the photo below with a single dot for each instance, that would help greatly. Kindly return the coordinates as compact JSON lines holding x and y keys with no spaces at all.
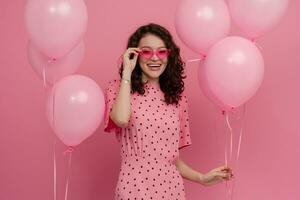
{"x":233,"y":110}
{"x":70,"y":149}
{"x":52,"y":60}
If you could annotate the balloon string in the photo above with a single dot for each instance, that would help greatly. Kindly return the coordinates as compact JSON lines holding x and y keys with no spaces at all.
{"x":241,"y":133}
{"x":198,"y":59}
{"x":44,"y":77}
{"x":53,"y":124}
{"x":231,"y":135}
{"x":228,"y":189}
{"x":194,"y":60}
{"x":69,"y":150}
{"x":51,"y":60}
{"x":226,"y":162}
{"x":226,"y":159}
{"x":54,"y":169}
{"x":239,"y":145}
{"x":240,"y":141}
{"x":231,"y":189}
{"x":226,"y":144}
{"x":53,"y":90}
{"x":53,"y":108}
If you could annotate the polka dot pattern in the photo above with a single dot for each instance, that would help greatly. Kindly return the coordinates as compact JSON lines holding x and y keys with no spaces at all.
{"x":149,"y":145}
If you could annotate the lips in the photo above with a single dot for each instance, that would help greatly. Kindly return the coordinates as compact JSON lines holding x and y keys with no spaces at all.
{"x":154,"y":67}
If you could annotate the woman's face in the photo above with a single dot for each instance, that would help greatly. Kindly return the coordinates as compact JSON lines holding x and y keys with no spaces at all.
{"x":153,"y":58}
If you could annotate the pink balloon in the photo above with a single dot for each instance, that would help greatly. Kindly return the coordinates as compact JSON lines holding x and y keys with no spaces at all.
{"x":54,"y":70}
{"x":75,"y":108}
{"x":56,"y":26}
{"x":232,"y":72}
{"x":200,"y":23}
{"x":256,"y":17}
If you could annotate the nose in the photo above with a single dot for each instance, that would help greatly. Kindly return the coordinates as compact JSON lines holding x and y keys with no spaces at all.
{"x":154,"y":57}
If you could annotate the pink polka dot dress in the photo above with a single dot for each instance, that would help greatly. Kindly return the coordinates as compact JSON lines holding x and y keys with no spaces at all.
{"x":150,"y":145}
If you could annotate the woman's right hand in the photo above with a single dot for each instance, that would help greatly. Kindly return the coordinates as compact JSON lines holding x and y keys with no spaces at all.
{"x":217,"y":175}
{"x":129,"y":64}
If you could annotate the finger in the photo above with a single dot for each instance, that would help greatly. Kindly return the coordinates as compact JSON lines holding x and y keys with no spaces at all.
{"x":222,"y":168}
{"x":134,"y":52}
{"x":138,"y":49}
{"x":227,"y":169}
{"x":220,"y":174}
{"x":130,"y":51}
{"x":135,"y":58}
{"x":134,"y":49}
{"x":229,"y":176}
{"x":225,"y":176}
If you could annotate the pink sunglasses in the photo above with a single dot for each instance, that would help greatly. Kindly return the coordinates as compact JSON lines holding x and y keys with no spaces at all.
{"x":149,"y":53}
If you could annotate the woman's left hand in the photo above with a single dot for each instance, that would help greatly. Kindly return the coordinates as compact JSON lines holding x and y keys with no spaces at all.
{"x":217,"y":175}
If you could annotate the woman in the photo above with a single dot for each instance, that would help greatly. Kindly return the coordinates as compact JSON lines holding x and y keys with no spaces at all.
{"x":147,"y":110}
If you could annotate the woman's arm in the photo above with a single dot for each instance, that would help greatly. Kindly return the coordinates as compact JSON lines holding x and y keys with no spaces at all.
{"x":121,"y":109}
{"x":215,"y":176}
{"x":188,"y":173}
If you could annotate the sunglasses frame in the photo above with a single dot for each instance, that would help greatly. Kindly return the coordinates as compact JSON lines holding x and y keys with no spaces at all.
{"x":154,"y":52}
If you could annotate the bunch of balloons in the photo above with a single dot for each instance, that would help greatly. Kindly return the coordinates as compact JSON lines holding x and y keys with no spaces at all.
{"x":233,"y":66}
{"x":75,"y":103}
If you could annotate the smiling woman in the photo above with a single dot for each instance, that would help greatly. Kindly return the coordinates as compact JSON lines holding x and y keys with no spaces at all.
{"x":147,"y":110}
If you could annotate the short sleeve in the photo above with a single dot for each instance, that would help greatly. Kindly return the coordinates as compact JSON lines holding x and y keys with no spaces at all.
{"x":185,"y":136}
{"x":110,"y":97}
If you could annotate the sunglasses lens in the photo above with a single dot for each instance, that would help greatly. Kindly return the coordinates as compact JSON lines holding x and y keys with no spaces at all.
{"x":162,"y":54}
{"x":147,"y":54}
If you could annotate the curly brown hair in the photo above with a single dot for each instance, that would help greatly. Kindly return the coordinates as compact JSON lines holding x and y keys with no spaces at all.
{"x":171,"y":80}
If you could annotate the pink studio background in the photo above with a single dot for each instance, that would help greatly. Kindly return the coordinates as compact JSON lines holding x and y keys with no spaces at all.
{"x":269,"y":161}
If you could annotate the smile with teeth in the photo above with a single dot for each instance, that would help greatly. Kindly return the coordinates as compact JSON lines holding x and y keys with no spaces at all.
{"x":154,"y":67}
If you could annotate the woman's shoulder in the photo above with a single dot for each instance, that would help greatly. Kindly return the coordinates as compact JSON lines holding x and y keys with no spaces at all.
{"x":183,"y":95}
{"x":113,"y":83}
{"x":183,"y":99}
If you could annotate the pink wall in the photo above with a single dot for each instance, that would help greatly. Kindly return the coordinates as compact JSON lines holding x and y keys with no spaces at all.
{"x":269,"y":161}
